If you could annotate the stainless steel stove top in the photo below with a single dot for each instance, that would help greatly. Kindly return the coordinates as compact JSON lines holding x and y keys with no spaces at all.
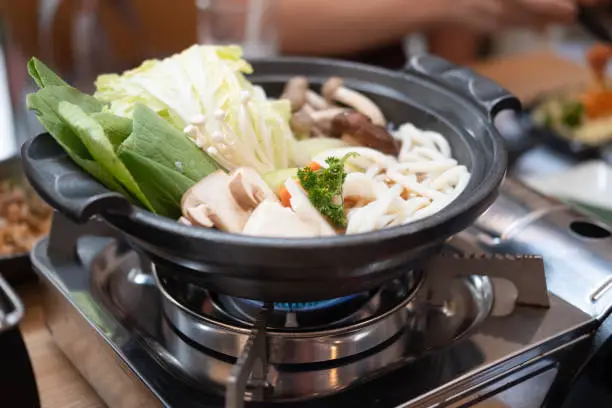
{"x":138,"y":346}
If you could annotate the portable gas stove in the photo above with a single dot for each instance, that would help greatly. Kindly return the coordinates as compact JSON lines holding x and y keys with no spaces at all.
{"x":474,"y":324}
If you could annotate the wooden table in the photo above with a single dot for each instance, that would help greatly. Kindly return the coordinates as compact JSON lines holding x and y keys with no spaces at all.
{"x":529,"y":75}
{"x":61,"y":386}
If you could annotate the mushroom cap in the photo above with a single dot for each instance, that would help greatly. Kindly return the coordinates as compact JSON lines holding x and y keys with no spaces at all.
{"x":323,"y":118}
{"x":334,"y":90}
{"x":330,"y":87}
{"x":199,"y":216}
{"x":316,"y":101}
{"x":359,"y":128}
{"x":301,"y":122}
{"x":295,"y":91}
{"x":189,"y":200}
{"x":349,"y":139}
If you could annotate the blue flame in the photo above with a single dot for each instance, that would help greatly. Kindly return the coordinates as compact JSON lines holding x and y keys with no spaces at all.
{"x":303,"y":306}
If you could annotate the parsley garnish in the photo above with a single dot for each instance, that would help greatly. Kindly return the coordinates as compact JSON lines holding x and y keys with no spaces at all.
{"x":324,"y":188}
{"x":572,"y":114}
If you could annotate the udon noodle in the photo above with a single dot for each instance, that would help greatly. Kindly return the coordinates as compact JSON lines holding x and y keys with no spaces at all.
{"x":383,"y":191}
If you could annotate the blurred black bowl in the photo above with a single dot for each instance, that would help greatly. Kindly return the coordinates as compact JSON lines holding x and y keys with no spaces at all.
{"x":17,"y":268}
{"x":521,"y":133}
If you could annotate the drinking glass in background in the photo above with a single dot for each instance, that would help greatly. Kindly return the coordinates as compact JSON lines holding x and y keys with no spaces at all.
{"x":248,"y":23}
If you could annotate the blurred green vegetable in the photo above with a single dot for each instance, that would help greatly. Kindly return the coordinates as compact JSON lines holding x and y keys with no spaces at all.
{"x":572,"y":114}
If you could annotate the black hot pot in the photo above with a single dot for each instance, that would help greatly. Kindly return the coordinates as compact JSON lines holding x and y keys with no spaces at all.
{"x":431,"y":93}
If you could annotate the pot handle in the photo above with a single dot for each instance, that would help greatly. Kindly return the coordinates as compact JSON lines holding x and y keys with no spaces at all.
{"x":589,"y":19}
{"x":487,"y":93}
{"x":11,"y":316}
{"x":64,"y":185}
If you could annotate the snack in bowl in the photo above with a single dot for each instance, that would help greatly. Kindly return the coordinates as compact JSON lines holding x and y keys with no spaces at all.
{"x":584,"y":116}
{"x":24,"y":218}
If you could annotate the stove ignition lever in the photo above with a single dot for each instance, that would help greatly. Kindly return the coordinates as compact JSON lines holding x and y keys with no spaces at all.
{"x":13,"y":313}
{"x":525,"y":272}
{"x":251,"y":368}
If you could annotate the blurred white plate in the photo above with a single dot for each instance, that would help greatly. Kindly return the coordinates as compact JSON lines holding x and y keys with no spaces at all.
{"x":589,"y":183}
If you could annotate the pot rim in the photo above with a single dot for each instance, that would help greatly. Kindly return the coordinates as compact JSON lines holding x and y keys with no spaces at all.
{"x":467,"y":200}
{"x":475,"y":195}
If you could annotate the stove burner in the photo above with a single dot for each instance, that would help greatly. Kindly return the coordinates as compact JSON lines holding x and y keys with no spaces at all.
{"x":348,"y":326}
{"x":301,"y":306}
{"x":297,"y":314}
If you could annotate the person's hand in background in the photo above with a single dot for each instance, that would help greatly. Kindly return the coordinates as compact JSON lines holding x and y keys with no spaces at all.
{"x":493,"y":15}
{"x":324,"y":27}
{"x":312,"y":27}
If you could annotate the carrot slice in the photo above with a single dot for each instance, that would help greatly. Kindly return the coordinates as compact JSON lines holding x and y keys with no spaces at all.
{"x":314,"y":166}
{"x":597,"y":104}
{"x":598,"y":57}
{"x":285,"y":197}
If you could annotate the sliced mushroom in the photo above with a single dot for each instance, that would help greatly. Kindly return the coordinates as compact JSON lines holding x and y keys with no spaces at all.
{"x":189,"y":200}
{"x":333,"y":90}
{"x":219,"y":203}
{"x":249,"y":189}
{"x":271,"y":219}
{"x":295,"y":90}
{"x":199,"y":216}
{"x":357,"y":127}
{"x":184,"y":220}
{"x":316,"y":101}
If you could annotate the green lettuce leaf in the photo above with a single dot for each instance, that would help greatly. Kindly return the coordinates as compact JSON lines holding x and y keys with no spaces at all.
{"x":42,"y":75}
{"x":155,"y":139}
{"x":101,"y":149}
{"x":163,"y":186}
{"x":45,"y":104}
{"x":117,"y":128}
